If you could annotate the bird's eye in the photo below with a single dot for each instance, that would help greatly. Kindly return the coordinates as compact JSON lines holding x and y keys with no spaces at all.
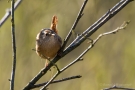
{"x":47,"y":34}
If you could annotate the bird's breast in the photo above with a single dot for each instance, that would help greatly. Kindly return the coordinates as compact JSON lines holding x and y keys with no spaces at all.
{"x":48,"y":46}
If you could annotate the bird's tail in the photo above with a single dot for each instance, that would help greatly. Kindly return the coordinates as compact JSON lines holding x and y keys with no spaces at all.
{"x":54,"y":24}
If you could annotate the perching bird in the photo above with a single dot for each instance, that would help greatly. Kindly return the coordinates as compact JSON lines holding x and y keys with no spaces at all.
{"x":48,"y":42}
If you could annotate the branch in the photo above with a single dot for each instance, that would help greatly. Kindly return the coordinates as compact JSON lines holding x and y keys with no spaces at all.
{"x":116,"y":87}
{"x":8,"y":12}
{"x":56,"y":81}
{"x":13,"y":47}
{"x":81,"y":38}
{"x":93,"y":28}
{"x":123,"y":26}
{"x":58,"y":72}
{"x":80,"y":14}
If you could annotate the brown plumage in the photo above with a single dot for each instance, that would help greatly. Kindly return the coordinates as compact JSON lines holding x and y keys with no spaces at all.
{"x":48,"y":42}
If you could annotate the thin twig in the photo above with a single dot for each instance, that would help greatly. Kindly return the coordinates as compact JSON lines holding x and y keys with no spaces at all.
{"x":79,"y":40}
{"x":13,"y":47}
{"x":8,"y":12}
{"x":80,"y":14}
{"x":123,"y":26}
{"x":57,"y":81}
{"x":116,"y":87}
{"x":93,"y":28}
{"x":58,"y":72}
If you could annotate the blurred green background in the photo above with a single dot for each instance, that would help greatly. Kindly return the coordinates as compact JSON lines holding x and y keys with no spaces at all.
{"x":110,"y":62}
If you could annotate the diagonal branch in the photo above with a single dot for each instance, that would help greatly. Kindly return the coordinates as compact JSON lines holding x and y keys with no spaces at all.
{"x":8,"y":12}
{"x":80,"y":14}
{"x":123,"y":26}
{"x":56,"y":81}
{"x":112,"y":12}
{"x":13,"y":47}
{"x":93,"y":28}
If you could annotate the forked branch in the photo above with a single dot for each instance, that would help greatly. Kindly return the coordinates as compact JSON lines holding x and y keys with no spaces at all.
{"x":116,"y":87}
{"x":123,"y":26}
{"x":80,"y":14}
{"x":8,"y":12}
{"x":81,"y":38}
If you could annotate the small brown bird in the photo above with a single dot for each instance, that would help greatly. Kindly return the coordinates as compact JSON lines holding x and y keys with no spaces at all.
{"x":48,"y":42}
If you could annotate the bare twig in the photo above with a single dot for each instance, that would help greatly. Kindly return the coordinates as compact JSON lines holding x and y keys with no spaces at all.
{"x":59,"y":72}
{"x":93,"y":28}
{"x":57,"y":81}
{"x":8,"y":12}
{"x":123,"y":26}
{"x":81,"y":38}
{"x":13,"y":47}
{"x":116,"y":87}
{"x":80,"y":14}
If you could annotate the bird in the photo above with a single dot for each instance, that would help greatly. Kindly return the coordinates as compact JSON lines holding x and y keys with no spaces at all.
{"x":48,"y":42}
